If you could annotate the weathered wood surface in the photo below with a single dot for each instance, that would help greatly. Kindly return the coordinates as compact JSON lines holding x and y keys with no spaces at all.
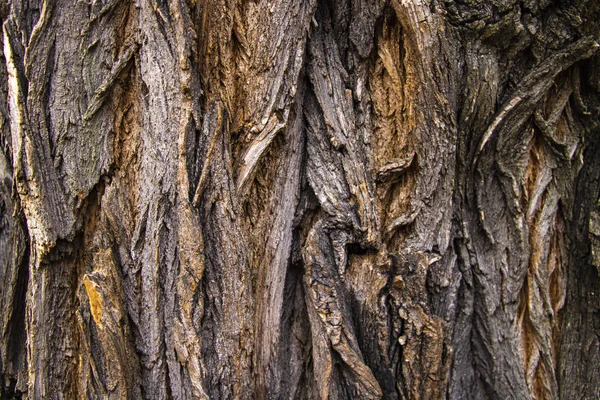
{"x":315,"y":199}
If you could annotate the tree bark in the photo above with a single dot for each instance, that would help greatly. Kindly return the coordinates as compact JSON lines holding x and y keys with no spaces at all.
{"x":315,"y":199}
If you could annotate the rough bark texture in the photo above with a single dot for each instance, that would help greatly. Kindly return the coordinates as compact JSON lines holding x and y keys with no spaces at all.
{"x":303,"y":199}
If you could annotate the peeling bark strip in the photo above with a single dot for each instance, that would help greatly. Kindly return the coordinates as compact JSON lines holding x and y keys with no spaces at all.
{"x":318,"y":199}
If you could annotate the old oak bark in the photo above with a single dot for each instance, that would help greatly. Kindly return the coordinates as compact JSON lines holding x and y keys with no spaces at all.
{"x":300,"y":199}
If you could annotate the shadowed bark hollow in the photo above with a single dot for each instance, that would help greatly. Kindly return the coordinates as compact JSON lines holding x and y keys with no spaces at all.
{"x":300,"y":199}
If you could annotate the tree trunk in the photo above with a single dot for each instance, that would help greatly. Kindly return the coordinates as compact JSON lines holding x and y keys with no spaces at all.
{"x":303,"y":199}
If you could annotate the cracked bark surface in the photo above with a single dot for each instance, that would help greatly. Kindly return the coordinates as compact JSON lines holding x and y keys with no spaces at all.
{"x":316,"y":199}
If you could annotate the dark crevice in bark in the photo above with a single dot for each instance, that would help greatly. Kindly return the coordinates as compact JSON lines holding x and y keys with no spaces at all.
{"x":580,"y":322}
{"x":17,"y":332}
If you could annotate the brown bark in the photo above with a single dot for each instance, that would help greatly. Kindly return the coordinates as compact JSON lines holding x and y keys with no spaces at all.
{"x":314,"y":199}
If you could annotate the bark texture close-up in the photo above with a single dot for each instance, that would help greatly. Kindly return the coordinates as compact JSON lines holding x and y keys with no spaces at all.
{"x":300,"y":199}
